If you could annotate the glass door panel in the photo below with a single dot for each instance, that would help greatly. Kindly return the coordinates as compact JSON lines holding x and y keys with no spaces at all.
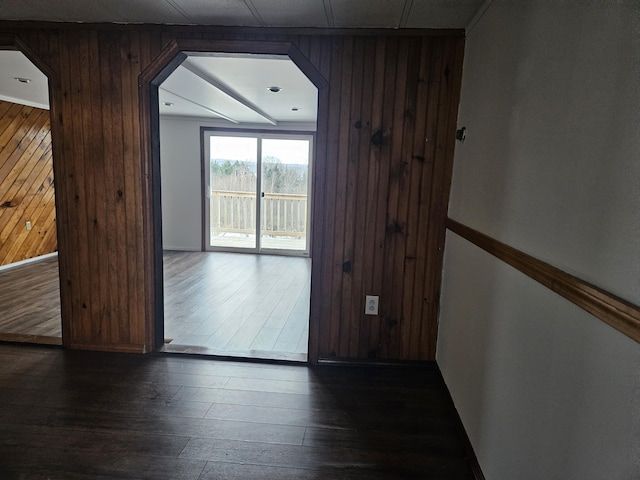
{"x":285,"y":189}
{"x":233,"y":182}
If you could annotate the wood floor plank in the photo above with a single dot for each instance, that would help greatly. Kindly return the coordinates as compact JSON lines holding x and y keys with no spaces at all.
{"x":226,"y":302}
{"x":30,"y":300}
{"x":91,"y":415}
{"x":220,"y":301}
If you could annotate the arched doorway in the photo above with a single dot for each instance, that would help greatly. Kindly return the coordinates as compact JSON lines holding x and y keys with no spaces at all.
{"x":151,"y":80}
{"x":29,"y":263}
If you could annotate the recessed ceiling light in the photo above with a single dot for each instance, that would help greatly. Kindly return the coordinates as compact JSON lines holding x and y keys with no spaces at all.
{"x":22,"y":79}
{"x":294,"y":109}
{"x":168,"y":104}
{"x":274,"y":89}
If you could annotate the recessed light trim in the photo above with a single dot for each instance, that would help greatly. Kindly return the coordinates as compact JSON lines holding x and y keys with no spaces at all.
{"x":22,"y":79}
{"x":274,"y":89}
{"x":295,"y":109}
{"x":167,"y":104}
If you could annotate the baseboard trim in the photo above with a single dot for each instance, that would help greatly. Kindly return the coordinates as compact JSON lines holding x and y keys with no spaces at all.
{"x":115,"y":348}
{"x":22,"y":263}
{"x":235,"y":355}
{"x":366,"y":362}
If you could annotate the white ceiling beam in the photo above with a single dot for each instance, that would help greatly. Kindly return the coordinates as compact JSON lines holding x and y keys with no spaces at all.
{"x":214,"y":82}
{"x":222,"y":115}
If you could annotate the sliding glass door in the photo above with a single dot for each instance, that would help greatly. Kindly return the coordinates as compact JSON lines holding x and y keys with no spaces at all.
{"x":258,"y":191}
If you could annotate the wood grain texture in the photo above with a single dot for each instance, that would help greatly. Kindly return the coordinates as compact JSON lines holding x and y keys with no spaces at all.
{"x":30,"y":300}
{"x":386,"y":123}
{"x":614,"y":311}
{"x":26,"y":184}
{"x":234,"y":304}
{"x":90,"y":415}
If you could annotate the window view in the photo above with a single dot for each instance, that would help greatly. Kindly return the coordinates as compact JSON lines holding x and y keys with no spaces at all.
{"x":233,"y":186}
{"x":258,"y":192}
{"x":285,"y":167}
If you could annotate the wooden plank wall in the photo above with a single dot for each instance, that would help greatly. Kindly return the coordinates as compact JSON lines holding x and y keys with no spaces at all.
{"x":382,"y":181}
{"x":26,"y":184}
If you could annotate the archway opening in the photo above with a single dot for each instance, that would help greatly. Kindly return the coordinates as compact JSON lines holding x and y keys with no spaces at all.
{"x":247,"y":326}
{"x":29,"y":274}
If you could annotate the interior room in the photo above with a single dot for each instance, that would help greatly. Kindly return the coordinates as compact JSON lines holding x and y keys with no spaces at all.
{"x":28,"y":253}
{"x":246,"y":215}
{"x":474,"y":282}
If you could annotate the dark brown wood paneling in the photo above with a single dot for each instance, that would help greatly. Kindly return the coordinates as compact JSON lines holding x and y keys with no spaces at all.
{"x":387,"y":170}
{"x":97,"y":138}
{"x":26,"y":184}
{"x":382,"y":172}
{"x":616,"y":312}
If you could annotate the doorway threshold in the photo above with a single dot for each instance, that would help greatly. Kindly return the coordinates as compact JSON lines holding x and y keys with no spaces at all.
{"x":235,"y":354}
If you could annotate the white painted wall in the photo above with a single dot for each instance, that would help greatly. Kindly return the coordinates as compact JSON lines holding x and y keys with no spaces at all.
{"x":180,"y":178}
{"x":181,"y":184}
{"x":551,"y":166}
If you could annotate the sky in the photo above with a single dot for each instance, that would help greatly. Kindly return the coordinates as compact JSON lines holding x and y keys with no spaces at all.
{"x":290,"y":151}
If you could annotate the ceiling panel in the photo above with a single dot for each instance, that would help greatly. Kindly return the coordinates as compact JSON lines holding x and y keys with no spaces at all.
{"x":218,"y":12}
{"x":291,"y":13}
{"x":60,"y":11}
{"x":147,"y":11}
{"x":35,"y":93}
{"x":251,"y":76}
{"x":367,"y":13}
{"x":442,"y":13}
{"x":294,"y":13}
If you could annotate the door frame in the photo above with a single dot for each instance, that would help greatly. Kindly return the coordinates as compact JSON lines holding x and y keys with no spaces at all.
{"x":13,"y":42}
{"x":163,"y":64}
{"x":260,"y":133}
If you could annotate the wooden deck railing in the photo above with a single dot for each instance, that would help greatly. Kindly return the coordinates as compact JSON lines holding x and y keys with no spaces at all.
{"x":282,"y":214}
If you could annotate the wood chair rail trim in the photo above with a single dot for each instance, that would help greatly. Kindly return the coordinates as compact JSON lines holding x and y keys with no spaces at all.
{"x":614,"y":311}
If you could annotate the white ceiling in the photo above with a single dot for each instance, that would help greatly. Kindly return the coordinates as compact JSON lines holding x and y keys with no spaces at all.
{"x":236,"y":88}
{"x":220,"y":87}
{"x":14,"y":65}
{"x":258,"y":13}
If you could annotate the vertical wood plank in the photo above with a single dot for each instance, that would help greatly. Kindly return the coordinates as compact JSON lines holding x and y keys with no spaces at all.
{"x":405,"y":175}
{"x":387,"y":326}
{"x":414,"y":296}
{"x":342,"y":284}
{"x":362,"y":269}
{"x":330,"y":332}
{"x":350,"y":287}
{"x":378,"y":169}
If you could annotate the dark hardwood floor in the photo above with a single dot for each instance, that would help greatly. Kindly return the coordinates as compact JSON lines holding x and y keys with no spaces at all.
{"x":89,"y":415}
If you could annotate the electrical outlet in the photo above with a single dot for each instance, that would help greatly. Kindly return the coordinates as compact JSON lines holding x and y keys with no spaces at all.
{"x":28,"y":225}
{"x":371,"y":305}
